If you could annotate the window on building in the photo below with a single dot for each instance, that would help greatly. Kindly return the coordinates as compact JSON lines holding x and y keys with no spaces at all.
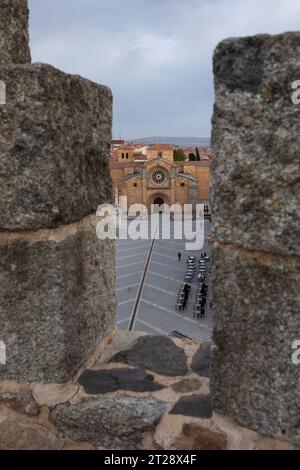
{"x":127,"y":155}
{"x":135,"y":185}
{"x":123,"y":155}
{"x":182,"y":185}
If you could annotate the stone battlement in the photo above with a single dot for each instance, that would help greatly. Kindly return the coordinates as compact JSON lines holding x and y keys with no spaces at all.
{"x":127,"y":399}
{"x":67,"y":379}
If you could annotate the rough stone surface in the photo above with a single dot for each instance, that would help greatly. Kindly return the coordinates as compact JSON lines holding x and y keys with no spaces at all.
{"x":157,"y":354}
{"x":199,"y":406}
{"x":58,"y":301}
{"x":110,"y":421}
{"x":52,"y":394}
{"x":256,"y":140}
{"x":186,"y":386}
{"x":55,"y":134}
{"x":21,"y":402}
{"x":97,"y":382}
{"x":14,"y":37}
{"x":201,"y":361}
{"x":122,"y":341}
{"x":253,"y":378}
{"x":196,"y":437}
{"x":19,"y":433}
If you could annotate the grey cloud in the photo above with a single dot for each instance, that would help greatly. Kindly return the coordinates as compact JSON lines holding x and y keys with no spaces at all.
{"x":156,"y":55}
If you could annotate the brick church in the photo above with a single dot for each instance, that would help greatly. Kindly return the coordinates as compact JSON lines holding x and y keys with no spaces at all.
{"x":149,"y":175}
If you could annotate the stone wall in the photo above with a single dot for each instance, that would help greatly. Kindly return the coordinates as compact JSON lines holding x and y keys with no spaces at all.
{"x":14,"y":37}
{"x":56,"y":279}
{"x":127,"y":399}
{"x":71,"y":382}
{"x":255,"y":203}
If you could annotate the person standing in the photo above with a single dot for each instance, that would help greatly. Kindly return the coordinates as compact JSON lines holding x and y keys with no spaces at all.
{"x":179,"y":256}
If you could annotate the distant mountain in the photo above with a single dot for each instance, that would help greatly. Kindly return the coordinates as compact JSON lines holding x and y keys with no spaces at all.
{"x":180,"y":141}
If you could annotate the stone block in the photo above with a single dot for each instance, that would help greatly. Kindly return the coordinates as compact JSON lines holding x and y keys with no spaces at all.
{"x":96,"y":382}
{"x":55,"y":134}
{"x":256,"y":140}
{"x":57,"y":300}
{"x":110,"y":422}
{"x":201,"y":361}
{"x":197,"y":406}
{"x":197,"y":437}
{"x":14,"y":37}
{"x":256,"y":320}
{"x":21,"y":402}
{"x":19,"y":433}
{"x":155,"y":353}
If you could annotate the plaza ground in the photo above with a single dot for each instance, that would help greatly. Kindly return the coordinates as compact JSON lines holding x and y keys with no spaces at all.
{"x":149,"y":276}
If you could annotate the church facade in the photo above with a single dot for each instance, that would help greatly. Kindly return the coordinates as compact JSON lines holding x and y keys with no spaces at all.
{"x":149,"y":175}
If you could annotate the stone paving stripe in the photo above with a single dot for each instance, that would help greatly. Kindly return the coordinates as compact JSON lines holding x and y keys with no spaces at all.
{"x":165,"y":266}
{"x":129,"y":275}
{"x":190,"y":320}
{"x":132,"y":249}
{"x":126,"y":287}
{"x":182,"y":249}
{"x":131,"y":264}
{"x":166,"y":277}
{"x":153,"y":327}
{"x":131,"y":256}
{"x":123,"y":321}
{"x":97,"y":382}
{"x":177,"y":245}
{"x":173,"y":294}
{"x":140,"y":290}
{"x":126,"y":302}
{"x":164,"y":256}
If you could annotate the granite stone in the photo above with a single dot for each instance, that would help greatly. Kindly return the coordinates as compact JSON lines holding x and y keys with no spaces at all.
{"x":198,"y":406}
{"x":97,"y":382}
{"x":14,"y":36}
{"x":157,"y":354}
{"x":58,"y":300}
{"x":256,"y":140}
{"x":256,"y":320}
{"x":111,"y":421}
{"x":55,"y":134}
{"x":202,"y":360}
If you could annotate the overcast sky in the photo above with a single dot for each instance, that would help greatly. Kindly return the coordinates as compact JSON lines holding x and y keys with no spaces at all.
{"x":155,"y":55}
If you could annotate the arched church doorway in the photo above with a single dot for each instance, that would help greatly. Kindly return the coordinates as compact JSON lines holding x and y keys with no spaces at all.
{"x":159,"y":202}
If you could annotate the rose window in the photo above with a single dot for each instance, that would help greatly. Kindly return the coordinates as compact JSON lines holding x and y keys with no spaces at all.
{"x":159,"y":176}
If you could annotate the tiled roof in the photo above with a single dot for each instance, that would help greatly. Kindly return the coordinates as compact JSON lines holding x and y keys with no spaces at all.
{"x":161,"y":147}
{"x":115,"y":165}
{"x":129,"y":176}
{"x":202,"y":163}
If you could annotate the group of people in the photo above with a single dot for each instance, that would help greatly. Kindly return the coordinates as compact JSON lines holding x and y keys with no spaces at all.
{"x":201,"y":297}
{"x":183,"y":297}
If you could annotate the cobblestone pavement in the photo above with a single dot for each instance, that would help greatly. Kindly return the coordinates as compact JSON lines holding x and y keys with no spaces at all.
{"x":155,"y":307}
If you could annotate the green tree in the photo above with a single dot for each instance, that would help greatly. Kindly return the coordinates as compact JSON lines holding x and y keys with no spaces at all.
{"x":198,"y":154}
{"x":192,"y":157}
{"x":179,"y":155}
